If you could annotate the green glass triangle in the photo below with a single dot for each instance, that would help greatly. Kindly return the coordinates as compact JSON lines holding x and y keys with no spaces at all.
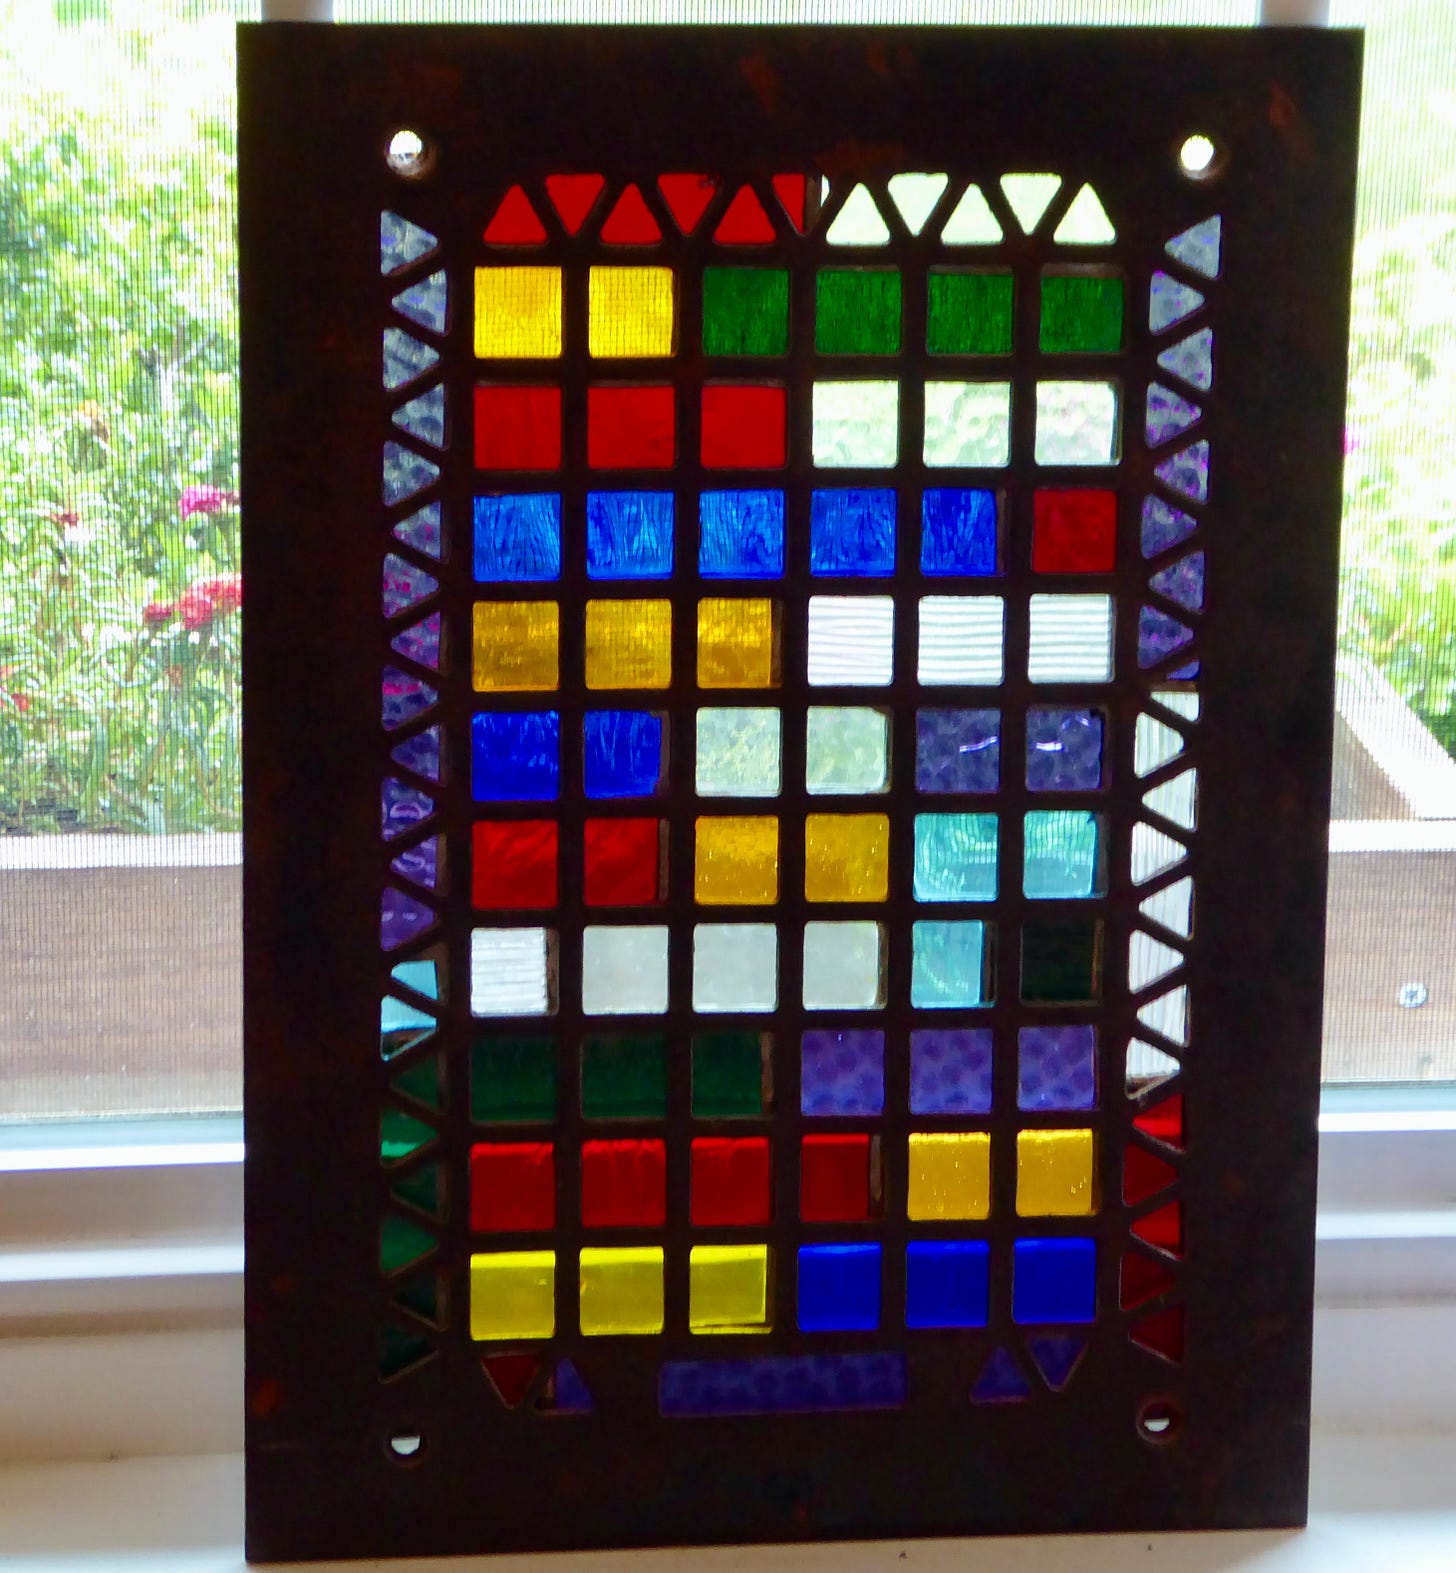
{"x":420,"y":1082}
{"x":400,"y":1351}
{"x":401,"y":1134}
{"x":401,"y":1244}
{"x":421,"y":1298}
{"x":421,"y":1188}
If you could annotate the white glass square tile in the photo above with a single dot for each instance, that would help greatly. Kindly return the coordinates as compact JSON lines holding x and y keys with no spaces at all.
{"x":851,"y":640}
{"x":856,"y":425}
{"x":735,"y":967}
{"x":738,"y":751}
{"x":962,"y":639}
{"x":512,"y":972}
{"x":1070,"y":639}
{"x":1076,"y":423}
{"x":624,"y":970}
{"x":968,"y":424}
{"x":843,"y":964}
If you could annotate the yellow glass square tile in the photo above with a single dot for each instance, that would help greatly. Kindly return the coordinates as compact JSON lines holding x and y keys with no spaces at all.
{"x":628,"y":644}
{"x":846,"y":857}
{"x":515,"y":646}
{"x":513,"y":1294}
{"x":1056,"y":1174}
{"x":517,"y":313}
{"x":737,"y":646}
{"x":950,"y":1175}
{"x":728,"y":1289}
{"x":630,"y":312}
{"x":621,"y":1289}
{"x":737,"y":862}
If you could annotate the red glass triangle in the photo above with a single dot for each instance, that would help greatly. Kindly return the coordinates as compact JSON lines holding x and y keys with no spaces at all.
{"x":573,"y":197}
{"x":1162,"y":1333}
{"x":515,"y":223}
{"x":1142,"y":1279}
{"x":631,"y":223}
{"x":745,"y":223}
{"x":1164,"y":1121}
{"x":1144,"y":1174}
{"x":687,"y":198}
{"x":1163,"y":1228}
{"x":511,"y":1375}
{"x":793,"y":194}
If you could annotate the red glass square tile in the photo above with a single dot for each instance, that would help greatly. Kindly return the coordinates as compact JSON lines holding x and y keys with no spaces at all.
{"x":517,"y":428}
{"x":512,"y":1187}
{"x":630,"y":428}
{"x":743,"y":427}
{"x":730,"y":1180}
{"x":620,"y":862}
{"x":513,"y":863}
{"x":1074,"y":532}
{"x":623,"y":1184}
{"x":834,"y":1178}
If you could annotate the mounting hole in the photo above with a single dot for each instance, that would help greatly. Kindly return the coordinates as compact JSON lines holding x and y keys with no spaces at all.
{"x":1200,"y":157}
{"x":1159,"y":1420}
{"x":405,"y":1447}
{"x":409,"y":154}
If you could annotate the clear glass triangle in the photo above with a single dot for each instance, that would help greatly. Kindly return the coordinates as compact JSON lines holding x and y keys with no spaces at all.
{"x":420,"y":643}
{"x":858,"y":222}
{"x":424,"y":416}
{"x":1186,"y":472}
{"x":405,"y":358}
{"x":972,"y":223}
{"x":401,"y":243}
{"x":1176,"y":800}
{"x":1147,"y":1068}
{"x":1191,"y":359}
{"x":1170,"y":302}
{"x":1168,"y":415}
{"x":1153,"y":853}
{"x":1168,"y":1016}
{"x":1164,"y":526}
{"x":915,"y":196}
{"x":404,"y":585}
{"x":405,"y":473}
{"x":1172,"y":907}
{"x":425,"y":302}
{"x":1199,"y":246}
{"x":1182,"y":581}
{"x":421,"y":530}
{"x":1029,"y":196}
{"x":1149,"y":959}
{"x":1085,"y":223}
{"x":1179,"y":701}
{"x":1154,"y":744}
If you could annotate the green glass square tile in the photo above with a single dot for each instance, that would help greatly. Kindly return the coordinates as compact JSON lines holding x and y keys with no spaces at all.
{"x":512,"y":1080}
{"x":970,"y":314}
{"x":858,"y":312}
{"x":1080,"y":314}
{"x":727,"y":1076}
{"x":1061,"y":961}
{"x":745,"y":311}
{"x":624,"y":1078}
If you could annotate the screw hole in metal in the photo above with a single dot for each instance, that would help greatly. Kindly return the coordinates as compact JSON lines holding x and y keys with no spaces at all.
{"x":1159,"y":1420}
{"x":409,"y":154}
{"x":1200,"y":157}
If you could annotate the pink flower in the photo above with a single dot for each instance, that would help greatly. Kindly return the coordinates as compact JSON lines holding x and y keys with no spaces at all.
{"x":224,"y":590}
{"x":154,"y":613}
{"x":205,"y":499}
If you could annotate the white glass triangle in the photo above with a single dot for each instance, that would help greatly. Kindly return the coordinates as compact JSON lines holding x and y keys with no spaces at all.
{"x":973,"y":223}
{"x":1030,"y":196}
{"x":1085,"y":223}
{"x":1191,"y":359}
{"x":1179,"y":701}
{"x":1149,"y":959}
{"x":915,"y":196}
{"x":401,"y":242}
{"x":1170,"y":302}
{"x":858,"y":222}
{"x":405,"y":358}
{"x":1168,"y":1015}
{"x":1154,"y":743}
{"x":1177,"y":799}
{"x":1153,"y":853}
{"x":1147,"y":1066}
{"x":1198,"y":247}
{"x":424,"y":416}
{"x":1172,"y":907}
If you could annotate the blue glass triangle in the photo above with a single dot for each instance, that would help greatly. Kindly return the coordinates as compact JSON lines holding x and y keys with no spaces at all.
{"x":1187,"y":472}
{"x":420,"y":643}
{"x":419,"y":864}
{"x":421,"y":530}
{"x":419,"y":976}
{"x":1000,"y":1381}
{"x":1056,"y":1356}
{"x":401,"y":918}
{"x":405,"y":358}
{"x":404,"y":698}
{"x":405,"y":473}
{"x":425,"y":302}
{"x":405,"y":585}
{"x":420,"y":753}
{"x":1169,"y":301}
{"x":424,"y":416}
{"x":401,"y":242}
{"x":1164,"y":526}
{"x":1191,"y":359}
{"x":401,"y":1027}
{"x":1168,"y":414}
{"x":401,"y":808}
{"x":1198,"y":247}
{"x":1159,"y":636}
{"x":572,"y":1396}
{"x":1182,"y":581}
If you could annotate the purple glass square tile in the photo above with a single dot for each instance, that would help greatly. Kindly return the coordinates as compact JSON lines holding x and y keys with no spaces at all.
{"x":843,"y":1072}
{"x":950,"y":1070}
{"x":1057,"y":1068}
{"x":958,"y":750}
{"x":1063,"y":750}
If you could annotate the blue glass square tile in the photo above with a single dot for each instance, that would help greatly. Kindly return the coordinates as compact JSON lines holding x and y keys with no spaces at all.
{"x":1057,"y":1068}
{"x":947,"y":1283}
{"x":852,"y":533}
{"x":518,"y":539}
{"x":629,"y":535}
{"x":950,"y":1070}
{"x":1054,"y":1281}
{"x":839,"y":1288}
{"x":741,"y":535}
{"x":842,"y":1072}
{"x":515,"y":756}
{"x":955,"y":857}
{"x":958,"y":750}
{"x":947,"y":965}
{"x":1062,"y":855}
{"x":958,"y":532}
{"x":1063,"y":750}
{"x":621,"y":753}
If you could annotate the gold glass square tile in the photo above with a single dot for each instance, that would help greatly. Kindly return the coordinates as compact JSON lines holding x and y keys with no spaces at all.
{"x":728,"y":1288}
{"x":628,"y":644}
{"x":517,"y":313}
{"x":846,"y":857}
{"x":950,"y":1175}
{"x":1056,"y":1174}
{"x":514,"y":646}
{"x":737,"y":643}
{"x":630,"y":312}
{"x":737,"y":860}
{"x":621,"y":1289}
{"x":513,"y":1294}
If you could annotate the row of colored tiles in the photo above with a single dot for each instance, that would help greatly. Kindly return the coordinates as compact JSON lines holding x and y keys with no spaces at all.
{"x":854,"y":424}
{"x":514,"y":863}
{"x":738,"y":751}
{"x":961,"y":639}
{"x":841,"y":1180}
{"x":839,"y":1288}
{"x":513,"y":971}
{"x":741,"y":534}
{"x":632,"y":311}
